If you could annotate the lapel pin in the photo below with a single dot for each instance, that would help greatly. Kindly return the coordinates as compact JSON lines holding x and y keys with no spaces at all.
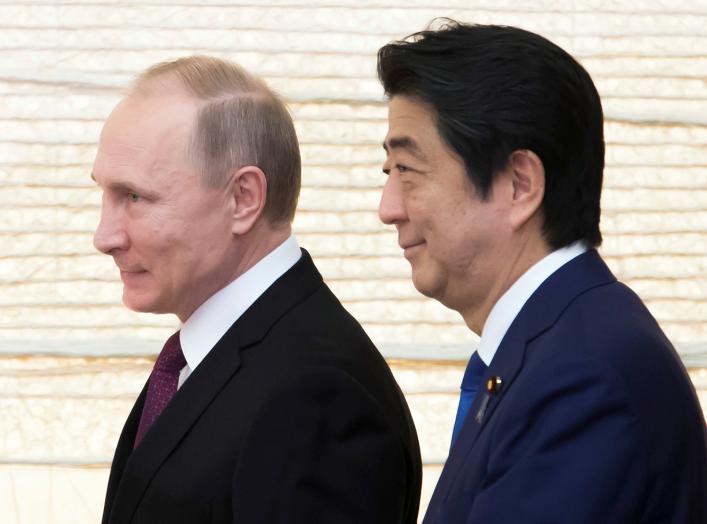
{"x":493,"y":384}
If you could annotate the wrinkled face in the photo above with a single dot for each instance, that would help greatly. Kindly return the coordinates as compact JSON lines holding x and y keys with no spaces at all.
{"x":450,"y":236}
{"x":167,"y":232}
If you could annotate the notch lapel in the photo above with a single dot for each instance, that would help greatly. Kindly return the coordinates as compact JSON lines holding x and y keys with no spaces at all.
{"x":174,"y":422}
{"x":122,"y":454}
{"x":205,"y":383}
{"x":514,"y":344}
{"x":539,"y":313}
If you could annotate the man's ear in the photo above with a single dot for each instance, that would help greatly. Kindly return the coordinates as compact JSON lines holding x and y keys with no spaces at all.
{"x":248,"y":190}
{"x":528,"y":180}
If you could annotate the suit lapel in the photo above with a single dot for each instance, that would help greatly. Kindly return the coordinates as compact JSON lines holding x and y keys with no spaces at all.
{"x":484,"y":404}
{"x":538,"y":314}
{"x":204,"y":384}
{"x":170,"y":427}
{"x":122,"y":453}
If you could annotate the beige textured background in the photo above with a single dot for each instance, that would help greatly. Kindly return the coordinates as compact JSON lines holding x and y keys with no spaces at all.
{"x":72,"y":358}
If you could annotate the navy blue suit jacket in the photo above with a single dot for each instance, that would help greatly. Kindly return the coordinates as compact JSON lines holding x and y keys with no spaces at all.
{"x":595,"y":421}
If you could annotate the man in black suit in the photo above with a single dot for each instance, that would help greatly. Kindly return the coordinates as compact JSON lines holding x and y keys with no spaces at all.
{"x":270,"y":404}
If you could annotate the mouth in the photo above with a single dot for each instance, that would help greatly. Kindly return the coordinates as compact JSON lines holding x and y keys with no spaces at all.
{"x":127,"y":274}
{"x":410,"y":248}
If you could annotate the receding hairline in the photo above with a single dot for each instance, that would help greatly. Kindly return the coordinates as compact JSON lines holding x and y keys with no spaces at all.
{"x":205,"y":78}
{"x":239,"y":121}
{"x":192,"y":78}
{"x":171,"y":85}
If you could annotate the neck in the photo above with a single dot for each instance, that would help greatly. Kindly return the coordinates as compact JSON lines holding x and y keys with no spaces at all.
{"x":526,"y":251}
{"x":248,"y":250}
{"x":257,"y":244}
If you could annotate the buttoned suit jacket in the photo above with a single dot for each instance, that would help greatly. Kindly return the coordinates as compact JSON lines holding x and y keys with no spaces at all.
{"x":594,"y":421}
{"x":293,"y":416}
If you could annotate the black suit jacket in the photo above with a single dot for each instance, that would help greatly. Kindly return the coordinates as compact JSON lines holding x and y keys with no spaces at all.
{"x":595,"y":421}
{"x":293,"y":416}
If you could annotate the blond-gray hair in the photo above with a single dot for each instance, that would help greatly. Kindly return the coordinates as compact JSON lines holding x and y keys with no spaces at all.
{"x":240,"y":122}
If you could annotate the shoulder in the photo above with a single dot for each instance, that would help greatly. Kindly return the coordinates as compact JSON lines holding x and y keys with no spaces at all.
{"x":610,"y":326}
{"x":606,"y":358}
{"x":607,"y":333}
{"x":318,"y":355}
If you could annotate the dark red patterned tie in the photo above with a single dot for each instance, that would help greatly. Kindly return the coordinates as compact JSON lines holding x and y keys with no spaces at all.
{"x":163,"y":384}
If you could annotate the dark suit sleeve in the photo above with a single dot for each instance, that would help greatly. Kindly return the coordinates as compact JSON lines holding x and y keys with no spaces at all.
{"x":566,"y":452}
{"x":320,"y":450}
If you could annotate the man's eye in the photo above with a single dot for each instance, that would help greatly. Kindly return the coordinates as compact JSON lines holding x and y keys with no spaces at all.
{"x":401,"y":168}
{"x":134,"y":197}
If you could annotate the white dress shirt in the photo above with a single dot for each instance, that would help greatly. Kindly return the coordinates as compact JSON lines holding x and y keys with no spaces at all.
{"x":506,"y":309}
{"x":205,"y":327}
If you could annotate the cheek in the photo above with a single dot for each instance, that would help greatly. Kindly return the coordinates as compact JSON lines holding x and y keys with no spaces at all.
{"x":212,"y":233}
{"x":455,"y":239}
{"x":421,"y":212}
{"x":164,"y":247}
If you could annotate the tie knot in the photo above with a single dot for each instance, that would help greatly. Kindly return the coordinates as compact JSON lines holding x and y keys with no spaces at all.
{"x":475,"y":370}
{"x":171,"y":359}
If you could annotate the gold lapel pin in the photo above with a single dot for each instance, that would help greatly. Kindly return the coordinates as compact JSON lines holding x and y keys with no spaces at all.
{"x":493,"y":384}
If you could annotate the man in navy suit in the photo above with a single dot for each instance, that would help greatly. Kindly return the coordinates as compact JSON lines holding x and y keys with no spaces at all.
{"x":575,"y":408}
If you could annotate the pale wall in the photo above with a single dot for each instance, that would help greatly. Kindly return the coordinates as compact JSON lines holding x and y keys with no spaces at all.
{"x":62,"y":67}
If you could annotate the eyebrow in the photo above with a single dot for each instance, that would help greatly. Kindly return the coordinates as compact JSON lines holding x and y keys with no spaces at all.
{"x":122,"y":186}
{"x":406,"y":143}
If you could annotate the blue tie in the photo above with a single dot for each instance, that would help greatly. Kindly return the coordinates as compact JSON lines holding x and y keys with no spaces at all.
{"x":475,"y":370}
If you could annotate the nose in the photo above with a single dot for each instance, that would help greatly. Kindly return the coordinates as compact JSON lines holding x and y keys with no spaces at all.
{"x":110,"y":234}
{"x":392,"y":208}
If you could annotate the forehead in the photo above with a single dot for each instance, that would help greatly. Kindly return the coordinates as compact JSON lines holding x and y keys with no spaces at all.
{"x":151,"y":119}
{"x":413,"y":131}
{"x":412,"y":127}
{"x":146,"y":132}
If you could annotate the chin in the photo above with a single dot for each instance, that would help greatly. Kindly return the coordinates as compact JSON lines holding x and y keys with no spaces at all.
{"x":424,"y":287}
{"x":140,"y":304}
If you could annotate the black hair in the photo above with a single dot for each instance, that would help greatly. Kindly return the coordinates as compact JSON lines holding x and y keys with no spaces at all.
{"x":498,"y":89}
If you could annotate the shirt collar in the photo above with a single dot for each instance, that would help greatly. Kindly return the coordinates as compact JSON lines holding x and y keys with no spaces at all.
{"x":512,"y":301}
{"x":205,"y":327}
